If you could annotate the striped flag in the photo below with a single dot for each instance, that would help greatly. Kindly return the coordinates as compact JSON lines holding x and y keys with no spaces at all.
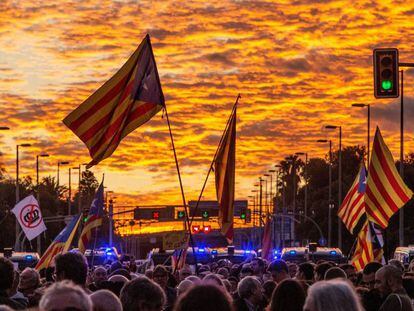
{"x":369,"y":247}
{"x":267,"y":239}
{"x":94,"y":219}
{"x":60,"y":244}
{"x":224,"y":169}
{"x":126,"y":101}
{"x":386,"y":192}
{"x":178,"y":259}
{"x":353,"y":206}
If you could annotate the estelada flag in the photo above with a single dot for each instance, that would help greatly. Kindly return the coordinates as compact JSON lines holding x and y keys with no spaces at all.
{"x":224,"y":169}
{"x":353,"y":206}
{"x":369,"y":247}
{"x":126,"y":101}
{"x":60,"y":244}
{"x":94,"y":219}
{"x":386,"y":192}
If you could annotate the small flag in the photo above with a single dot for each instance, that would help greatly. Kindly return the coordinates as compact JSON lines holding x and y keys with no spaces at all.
{"x":178,"y":259}
{"x":353,"y":206}
{"x":369,"y":246}
{"x":29,"y":216}
{"x":386,"y":192}
{"x":60,"y":244}
{"x":125,"y":102}
{"x":224,"y":169}
{"x":94,"y":219}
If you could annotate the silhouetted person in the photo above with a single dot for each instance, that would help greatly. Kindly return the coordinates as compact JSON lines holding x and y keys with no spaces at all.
{"x":6,"y":284}
{"x":289,"y":295}
{"x":71,"y":266}
{"x":279,"y":270}
{"x":333,"y":295}
{"x":204,"y":298}
{"x":142,"y":294}
{"x":388,"y":281}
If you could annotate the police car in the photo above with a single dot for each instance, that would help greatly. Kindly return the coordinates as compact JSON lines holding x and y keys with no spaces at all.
{"x":101,"y":256}
{"x":21,"y":260}
{"x":304,"y":254}
{"x":404,"y":254}
{"x":163,"y":257}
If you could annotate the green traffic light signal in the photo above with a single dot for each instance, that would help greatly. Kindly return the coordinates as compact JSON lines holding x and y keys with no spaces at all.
{"x":386,"y":85}
{"x":181,"y":215}
{"x":204,"y":214}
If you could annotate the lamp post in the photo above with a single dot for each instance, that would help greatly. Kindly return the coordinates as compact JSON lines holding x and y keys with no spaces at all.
{"x":78,"y":168}
{"x":339,"y":180}
{"x":42,"y":155}
{"x":330,"y":205}
{"x":59,"y":164}
{"x":255,"y":191}
{"x":266,"y":193}
{"x":306,"y":181}
{"x":272,"y":203}
{"x":368,"y":125}
{"x":17,"y":242}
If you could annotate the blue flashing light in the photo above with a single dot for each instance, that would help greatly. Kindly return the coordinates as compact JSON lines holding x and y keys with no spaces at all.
{"x":201,"y":250}
{"x":333,"y":253}
{"x":214,"y":252}
{"x":109,"y":254}
{"x":247,"y":251}
{"x":292,"y":252}
{"x":276,"y":251}
{"x":28,"y":257}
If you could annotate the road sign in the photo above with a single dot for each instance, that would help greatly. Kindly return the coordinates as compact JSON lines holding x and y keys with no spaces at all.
{"x":175,"y":240}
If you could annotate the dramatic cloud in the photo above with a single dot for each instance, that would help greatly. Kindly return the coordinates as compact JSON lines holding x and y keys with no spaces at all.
{"x":297,"y":65}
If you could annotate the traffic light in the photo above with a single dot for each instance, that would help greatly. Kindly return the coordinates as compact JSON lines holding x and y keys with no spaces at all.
{"x":243,"y":214}
{"x":155,"y":215}
{"x":205,"y":215}
{"x":181,"y":215}
{"x":207,"y":229}
{"x":85,"y":215}
{"x":386,"y":74}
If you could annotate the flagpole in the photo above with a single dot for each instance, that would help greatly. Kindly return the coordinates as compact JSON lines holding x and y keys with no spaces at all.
{"x":187,"y":217}
{"x":214,"y":158}
{"x":209,"y":171}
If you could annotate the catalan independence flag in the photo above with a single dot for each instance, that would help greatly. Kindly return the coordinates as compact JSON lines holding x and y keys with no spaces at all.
{"x":60,"y":244}
{"x":126,"y":101}
{"x":225,"y":169}
{"x":369,"y":247}
{"x":353,"y":206}
{"x":386,"y":192}
{"x":267,"y":239}
{"x":94,"y":219}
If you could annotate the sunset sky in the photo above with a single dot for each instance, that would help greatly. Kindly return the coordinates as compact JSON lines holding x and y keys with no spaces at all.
{"x":298,"y":65}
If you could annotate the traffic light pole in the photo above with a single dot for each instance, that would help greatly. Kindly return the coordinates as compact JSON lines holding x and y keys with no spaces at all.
{"x":401,"y":215}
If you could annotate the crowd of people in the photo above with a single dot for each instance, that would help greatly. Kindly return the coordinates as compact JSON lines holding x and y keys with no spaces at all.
{"x":255,"y":285}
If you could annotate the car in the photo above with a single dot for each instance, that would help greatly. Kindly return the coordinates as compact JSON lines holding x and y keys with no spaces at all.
{"x":21,"y":260}
{"x":101,"y":256}
{"x":404,"y":254}
{"x":302,"y":254}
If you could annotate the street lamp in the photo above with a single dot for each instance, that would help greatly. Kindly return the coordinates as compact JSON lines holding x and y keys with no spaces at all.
{"x":306,"y":180}
{"x":272,"y":204}
{"x":330,"y":190}
{"x":17,"y":244}
{"x":59,"y":164}
{"x":332,"y":127}
{"x":368,"y":125}
{"x":42,"y":155}
{"x":266,"y":194}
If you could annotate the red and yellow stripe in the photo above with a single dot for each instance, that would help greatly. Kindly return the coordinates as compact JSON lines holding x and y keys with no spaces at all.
{"x":363,"y":252}
{"x":112,"y":112}
{"x":386,"y":192}
{"x":353,"y":206}
{"x":93,"y":222}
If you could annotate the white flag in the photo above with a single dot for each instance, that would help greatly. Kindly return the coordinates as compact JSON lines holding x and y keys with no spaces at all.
{"x":29,"y":216}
